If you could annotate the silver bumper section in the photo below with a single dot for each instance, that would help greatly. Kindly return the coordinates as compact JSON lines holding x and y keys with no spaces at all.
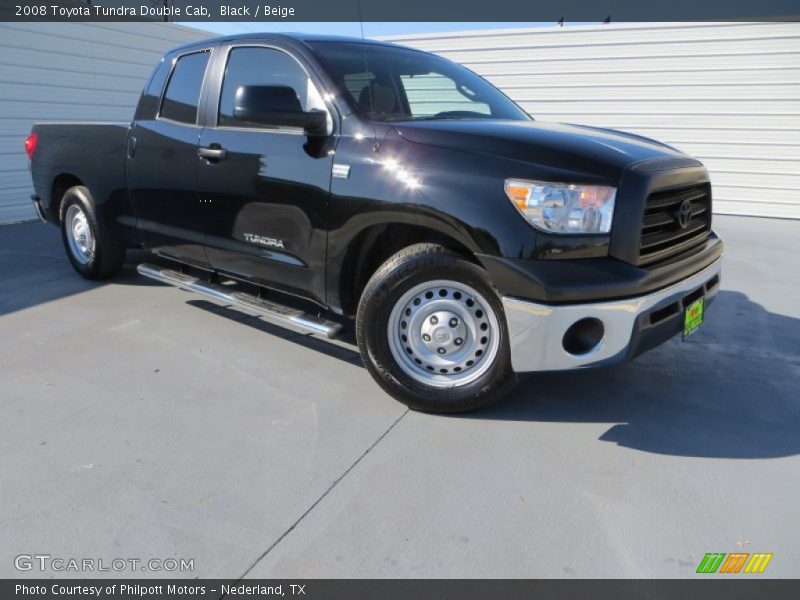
{"x":537,"y":331}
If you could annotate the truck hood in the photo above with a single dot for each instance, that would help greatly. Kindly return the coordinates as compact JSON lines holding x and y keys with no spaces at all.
{"x":601,"y":152}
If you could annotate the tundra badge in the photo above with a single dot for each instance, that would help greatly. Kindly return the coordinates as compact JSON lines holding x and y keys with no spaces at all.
{"x":263,"y":241}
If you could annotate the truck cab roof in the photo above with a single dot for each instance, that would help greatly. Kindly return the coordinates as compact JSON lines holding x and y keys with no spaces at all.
{"x":289,"y":38}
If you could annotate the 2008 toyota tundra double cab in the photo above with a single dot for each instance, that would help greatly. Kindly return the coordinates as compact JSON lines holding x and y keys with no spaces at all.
{"x":378,"y":183}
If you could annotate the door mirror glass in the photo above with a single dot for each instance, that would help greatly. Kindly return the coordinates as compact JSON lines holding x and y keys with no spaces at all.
{"x":276,"y":106}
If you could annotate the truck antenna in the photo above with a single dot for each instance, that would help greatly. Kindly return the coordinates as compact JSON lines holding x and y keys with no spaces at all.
{"x":375,"y":145}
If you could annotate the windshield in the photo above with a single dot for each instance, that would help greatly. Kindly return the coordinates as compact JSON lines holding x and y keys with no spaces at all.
{"x":398,"y":84}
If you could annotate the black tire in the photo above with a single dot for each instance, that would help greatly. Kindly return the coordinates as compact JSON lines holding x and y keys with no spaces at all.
{"x":104,"y":258}
{"x":401,"y":275}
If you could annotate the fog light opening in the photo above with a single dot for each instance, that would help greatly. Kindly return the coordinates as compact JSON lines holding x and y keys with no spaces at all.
{"x":583,"y":336}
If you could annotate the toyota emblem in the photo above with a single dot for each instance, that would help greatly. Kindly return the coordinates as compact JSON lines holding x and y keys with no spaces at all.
{"x":684,"y":214}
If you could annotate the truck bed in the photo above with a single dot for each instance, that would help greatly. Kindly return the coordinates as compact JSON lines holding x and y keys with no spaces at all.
{"x":93,"y":152}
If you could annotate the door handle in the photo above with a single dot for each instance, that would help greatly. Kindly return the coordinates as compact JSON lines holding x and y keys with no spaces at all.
{"x":212,"y":153}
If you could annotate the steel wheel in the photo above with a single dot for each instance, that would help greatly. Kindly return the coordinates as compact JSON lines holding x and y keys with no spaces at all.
{"x":79,"y":234}
{"x":443,"y":333}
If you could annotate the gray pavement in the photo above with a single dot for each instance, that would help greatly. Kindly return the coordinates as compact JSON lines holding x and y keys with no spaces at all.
{"x":139,"y":421}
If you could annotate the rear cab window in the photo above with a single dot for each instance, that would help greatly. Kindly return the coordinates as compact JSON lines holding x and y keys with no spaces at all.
{"x":182,"y":96}
{"x":148,"y":103}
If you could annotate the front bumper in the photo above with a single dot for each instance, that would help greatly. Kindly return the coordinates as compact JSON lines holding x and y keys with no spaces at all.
{"x":629,"y":326}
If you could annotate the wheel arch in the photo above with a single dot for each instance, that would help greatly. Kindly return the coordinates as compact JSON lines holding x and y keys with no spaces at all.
{"x":372,"y":246}
{"x":61,"y":183}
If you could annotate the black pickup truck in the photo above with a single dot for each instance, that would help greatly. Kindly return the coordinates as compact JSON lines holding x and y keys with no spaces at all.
{"x":323,"y":182}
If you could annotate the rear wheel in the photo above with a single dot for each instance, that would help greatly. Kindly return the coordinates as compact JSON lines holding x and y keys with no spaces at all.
{"x":432,"y":331}
{"x":89,"y":245}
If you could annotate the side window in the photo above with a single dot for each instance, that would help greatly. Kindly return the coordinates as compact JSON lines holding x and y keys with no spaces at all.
{"x":263,"y":66}
{"x":434,"y":93}
{"x":183,"y":90}
{"x":148,"y":103}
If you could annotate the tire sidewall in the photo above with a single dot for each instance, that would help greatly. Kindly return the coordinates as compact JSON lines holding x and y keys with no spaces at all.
{"x":372,"y":333}
{"x":81,"y":197}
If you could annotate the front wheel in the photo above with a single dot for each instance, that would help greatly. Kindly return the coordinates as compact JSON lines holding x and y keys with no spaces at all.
{"x":432,"y":332}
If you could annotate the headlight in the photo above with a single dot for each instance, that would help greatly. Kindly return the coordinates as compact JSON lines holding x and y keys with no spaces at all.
{"x":563,"y":207}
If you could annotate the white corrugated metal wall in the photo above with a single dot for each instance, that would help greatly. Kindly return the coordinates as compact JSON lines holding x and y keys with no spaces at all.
{"x":75,"y":71}
{"x":726,"y":93}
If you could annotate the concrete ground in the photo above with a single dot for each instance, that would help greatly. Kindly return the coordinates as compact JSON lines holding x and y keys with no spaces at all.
{"x":138,"y":421}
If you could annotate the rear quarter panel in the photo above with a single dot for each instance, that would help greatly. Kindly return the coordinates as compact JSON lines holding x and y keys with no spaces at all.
{"x":94,"y":154}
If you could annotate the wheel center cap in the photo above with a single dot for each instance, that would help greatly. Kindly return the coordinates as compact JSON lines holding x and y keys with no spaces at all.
{"x":443,"y":332}
{"x":441,"y":335}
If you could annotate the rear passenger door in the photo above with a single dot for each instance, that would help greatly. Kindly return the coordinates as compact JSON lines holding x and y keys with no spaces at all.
{"x":162,"y":159}
{"x":267,"y":197}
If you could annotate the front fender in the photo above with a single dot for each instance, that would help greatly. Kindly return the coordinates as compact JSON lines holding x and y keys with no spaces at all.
{"x":452,"y":192}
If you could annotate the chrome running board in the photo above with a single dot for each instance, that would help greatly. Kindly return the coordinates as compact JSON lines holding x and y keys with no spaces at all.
{"x":248,"y":303}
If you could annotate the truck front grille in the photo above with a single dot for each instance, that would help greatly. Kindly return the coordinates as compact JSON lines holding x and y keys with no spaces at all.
{"x":663,"y":233}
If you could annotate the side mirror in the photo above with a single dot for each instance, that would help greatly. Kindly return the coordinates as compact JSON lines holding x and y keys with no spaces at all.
{"x":278,"y":106}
